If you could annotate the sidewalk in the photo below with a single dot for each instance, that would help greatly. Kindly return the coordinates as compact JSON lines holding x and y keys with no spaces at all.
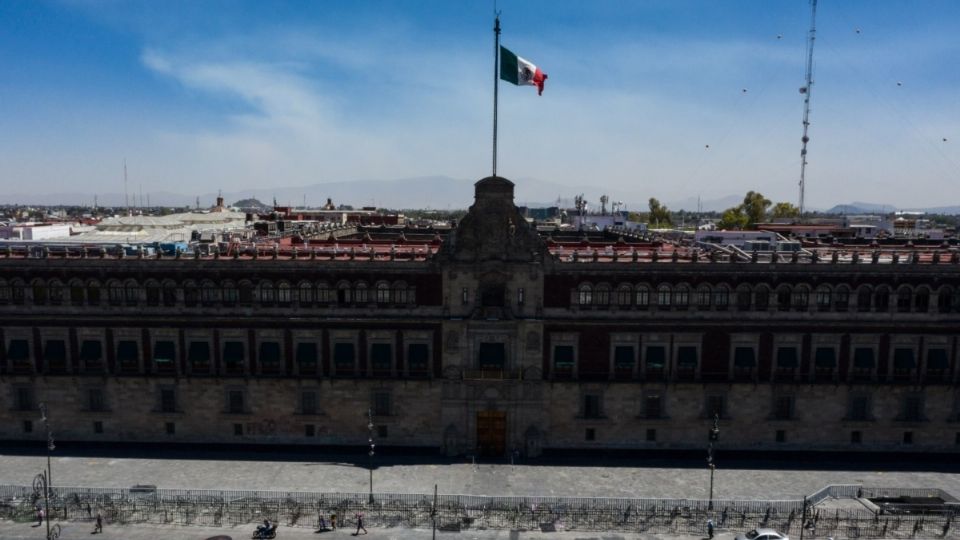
{"x":77,"y":530}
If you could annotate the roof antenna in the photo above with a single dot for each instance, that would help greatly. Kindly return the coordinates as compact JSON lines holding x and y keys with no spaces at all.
{"x":806,"y":90}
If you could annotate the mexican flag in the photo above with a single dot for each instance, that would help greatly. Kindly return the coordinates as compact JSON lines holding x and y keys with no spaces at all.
{"x":518,"y":71}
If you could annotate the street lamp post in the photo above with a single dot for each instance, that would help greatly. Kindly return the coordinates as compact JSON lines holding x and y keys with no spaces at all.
{"x":50,"y":446}
{"x":370,"y":453}
{"x":41,"y":488}
{"x":712,"y":437}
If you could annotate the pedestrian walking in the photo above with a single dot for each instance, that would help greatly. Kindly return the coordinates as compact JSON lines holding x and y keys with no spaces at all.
{"x":709,"y":528}
{"x":39,"y":514}
{"x":99,"y":527}
{"x":333,"y":522}
{"x":360,"y":526}
{"x":322,"y":526}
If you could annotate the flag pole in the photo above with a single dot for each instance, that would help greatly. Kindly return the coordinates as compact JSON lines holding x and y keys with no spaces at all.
{"x":496,"y":85}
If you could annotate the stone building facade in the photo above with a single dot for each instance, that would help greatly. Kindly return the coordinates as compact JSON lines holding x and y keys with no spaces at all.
{"x":492,"y":339}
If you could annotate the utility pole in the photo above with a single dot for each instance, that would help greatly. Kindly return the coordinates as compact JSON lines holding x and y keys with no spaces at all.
{"x":371,"y":452}
{"x":712,"y":437}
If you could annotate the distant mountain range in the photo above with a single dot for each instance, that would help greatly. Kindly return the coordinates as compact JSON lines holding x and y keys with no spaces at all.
{"x":439,"y":192}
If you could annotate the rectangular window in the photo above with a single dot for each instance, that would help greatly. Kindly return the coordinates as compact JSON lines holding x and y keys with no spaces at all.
{"x":382,"y":432}
{"x":95,"y":401}
{"x":24,"y":399}
{"x":465,"y":296}
{"x":623,"y":357}
{"x":418,"y":358}
{"x":170,"y":428}
{"x":903,"y":360}
{"x":856,"y":437}
{"x":307,"y":358}
{"x":686,"y":357}
{"x":787,"y":358}
{"x":168,"y":400}
{"x":907,"y":437}
{"x":744,"y":358}
{"x":592,"y":406}
{"x":164,"y":355}
{"x":98,"y":427}
{"x":18,"y":352}
{"x":651,"y":435}
{"x":309,"y":430}
{"x":656,"y":357}
{"x":235,"y":401}
{"x":269,"y":357}
{"x":234,"y":357}
{"x":28,"y":426}
{"x":590,"y":434}
{"x":825,"y":358}
{"x":653,"y":407}
{"x":238,"y":430}
{"x":198,"y":355}
{"x":91,"y":354}
{"x":863,"y":359}
{"x":781,"y":436}
{"x":520,"y":296}
{"x":381,"y":357}
{"x":859,"y":408}
{"x":344,"y":357}
{"x":55,"y":354}
{"x":381,"y":403}
{"x":563,"y":356}
{"x":912,"y":408}
{"x":128,"y":355}
{"x":783,"y":408}
{"x":937,"y":359}
{"x":308,"y":402}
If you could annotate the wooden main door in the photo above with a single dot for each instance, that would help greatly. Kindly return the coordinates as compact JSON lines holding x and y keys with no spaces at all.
{"x":492,"y":433}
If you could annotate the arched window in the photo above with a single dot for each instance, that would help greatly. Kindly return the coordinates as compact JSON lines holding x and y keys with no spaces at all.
{"x":824,"y":298}
{"x":305,"y":296}
{"x":864,"y":298}
{"x":401,"y":293}
{"x":601,"y":296}
{"x":783,"y":298}
{"x":681,"y":296}
{"x":343,"y":293}
{"x":131,"y":294}
{"x":944,"y":299}
{"x":360,"y":295}
{"x":761,"y":298}
{"x":4,"y":292}
{"x":904,"y":299}
{"x":283,"y":293}
{"x":585,"y":294}
{"x":169,"y":293}
{"x":841,"y":298}
{"x":17,"y":291}
{"x":744,"y":297}
{"x":55,"y":292}
{"x":93,"y":293}
{"x":624,"y":295}
{"x":115,"y":292}
{"x":921,"y":300}
{"x":230,"y":293}
{"x":801,"y":298}
{"x":881,"y":299}
{"x":383,"y":292}
{"x":721,"y":297}
{"x":77,"y":292}
{"x":643,"y":296}
{"x":152,"y":289}
{"x":39,"y":289}
{"x":704,"y":296}
{"x":191,"y":293}
{"x":325,"y":295}
{"x":209,"y":293}
{"x":268,"y":295}
{"x":246,"y":292}
{"x":664,"y":295}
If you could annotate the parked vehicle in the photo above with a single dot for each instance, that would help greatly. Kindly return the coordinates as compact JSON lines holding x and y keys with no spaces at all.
{"x":762,"y":534}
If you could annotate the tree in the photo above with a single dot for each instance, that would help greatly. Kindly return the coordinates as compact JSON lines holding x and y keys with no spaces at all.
{"x":785,"y":210}
{"x":659,"y":213}
{"x":733,"y":218}
{"x":755,"y":207}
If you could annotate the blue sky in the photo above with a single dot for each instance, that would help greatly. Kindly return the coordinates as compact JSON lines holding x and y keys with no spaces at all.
{"x":203,"y":95}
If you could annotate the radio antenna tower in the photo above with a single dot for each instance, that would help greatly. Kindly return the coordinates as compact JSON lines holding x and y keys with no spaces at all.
{"x":806,"y":90}
{"x":126,"y":194}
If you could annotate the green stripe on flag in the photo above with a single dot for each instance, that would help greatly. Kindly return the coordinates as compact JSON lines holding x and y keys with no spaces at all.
{"x":509,"y":71}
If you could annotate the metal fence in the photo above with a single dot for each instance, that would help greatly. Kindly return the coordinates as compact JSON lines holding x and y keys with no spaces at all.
{"x":459,"y":512}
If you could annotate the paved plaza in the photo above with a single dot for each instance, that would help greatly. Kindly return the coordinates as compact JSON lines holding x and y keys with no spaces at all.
{"x":597,"y":478}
